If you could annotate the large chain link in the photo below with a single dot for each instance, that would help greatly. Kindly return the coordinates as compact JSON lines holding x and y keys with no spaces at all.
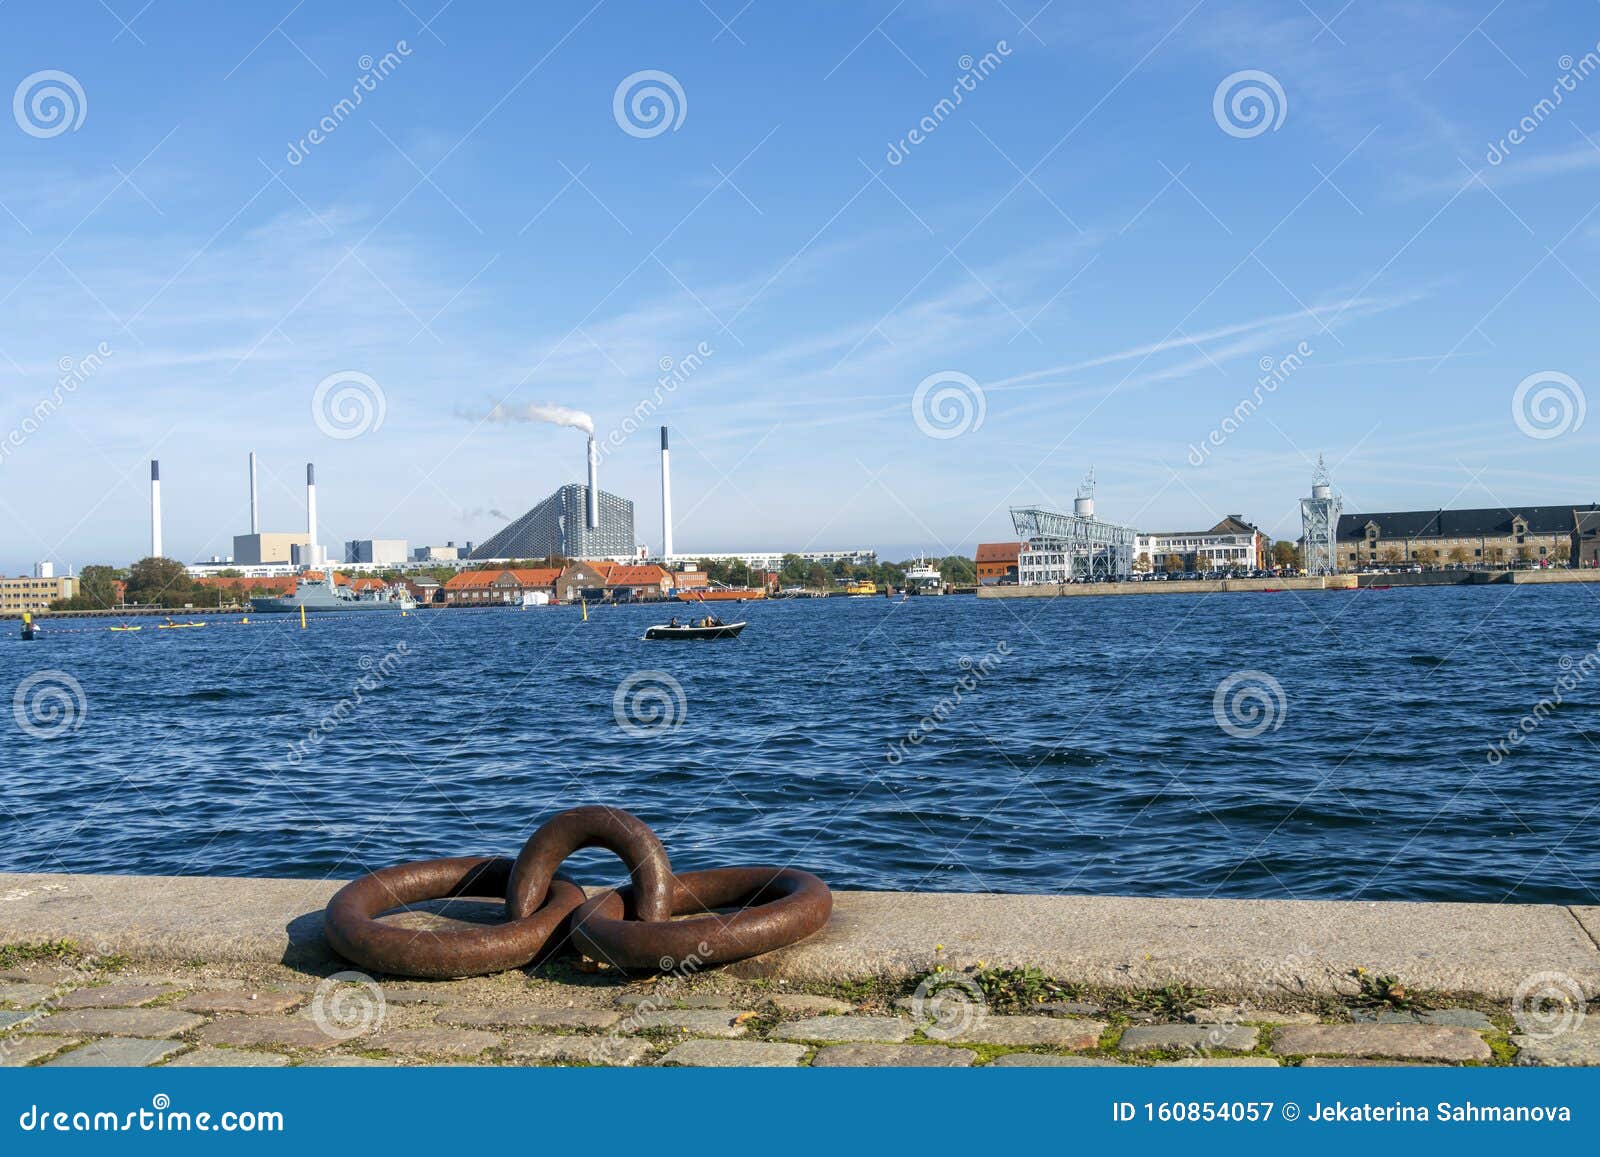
{"x":733,"y":913}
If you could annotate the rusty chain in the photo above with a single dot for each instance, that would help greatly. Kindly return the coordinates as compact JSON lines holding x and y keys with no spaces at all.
{"x":731,"y":913}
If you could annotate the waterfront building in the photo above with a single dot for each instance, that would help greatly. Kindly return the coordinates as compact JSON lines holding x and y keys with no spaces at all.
{"x":1232,"y":544}
{"x":1076,"y":547}
{"x":378,"y":551}
{"x":34,"y":593}
{"x":1586,"y":545}
{"x":424,"y":588}
{"x":1489,"y":536}
{"x":997,"y":563}
{"x":559,"y":525}
{"x":497,"y":586}
{"x":638,"y":582}
{"x":583,"y":580}
{"x":269,"y":547}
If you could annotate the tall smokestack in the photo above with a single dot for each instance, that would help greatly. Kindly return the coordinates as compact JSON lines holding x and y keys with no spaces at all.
{"x":155,"y":509}
{"x":255,"y":521}
{"x":593,"y":519}
{"x":666,"y":500}
{"x":311,"y":502}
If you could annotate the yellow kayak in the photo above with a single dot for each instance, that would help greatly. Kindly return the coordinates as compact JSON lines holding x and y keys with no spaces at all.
{"x":124,"y":628}
{"x":178,"y":626}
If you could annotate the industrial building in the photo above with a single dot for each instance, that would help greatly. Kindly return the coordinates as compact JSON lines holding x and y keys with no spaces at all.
{"x":378,"y":551}
{"x":1076,"y":547}
{"x":559,"y":525}
{"x":264,"y":549}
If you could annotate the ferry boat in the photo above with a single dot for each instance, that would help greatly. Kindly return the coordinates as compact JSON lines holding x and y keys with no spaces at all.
{"x":923,"y":579}
{"x":316,"y":595}
{"x":864,"y":587}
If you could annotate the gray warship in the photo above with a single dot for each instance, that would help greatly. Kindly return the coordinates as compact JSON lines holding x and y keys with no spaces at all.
{"x":315,"y":595}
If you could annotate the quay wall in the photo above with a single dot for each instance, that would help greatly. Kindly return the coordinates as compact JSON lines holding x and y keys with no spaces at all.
{"x":1238,"y":947}
{"x":1170,"y":587}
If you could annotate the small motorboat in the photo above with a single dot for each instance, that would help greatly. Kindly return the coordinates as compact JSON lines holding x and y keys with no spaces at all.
{"x":715,"y":631}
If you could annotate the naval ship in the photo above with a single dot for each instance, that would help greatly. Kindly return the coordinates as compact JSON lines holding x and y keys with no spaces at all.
{"x":313,"y":595}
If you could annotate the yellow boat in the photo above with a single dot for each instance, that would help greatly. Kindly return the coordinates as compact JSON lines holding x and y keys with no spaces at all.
{"x":125,"y":628}
{"x":177,"y":626}
{"x":865,"y":587}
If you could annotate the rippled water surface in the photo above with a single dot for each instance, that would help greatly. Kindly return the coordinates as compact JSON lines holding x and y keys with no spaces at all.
{"x":1084,"y":755}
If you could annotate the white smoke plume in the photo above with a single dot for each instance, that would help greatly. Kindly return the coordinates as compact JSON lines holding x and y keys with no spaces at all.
{"x":556,"y":415}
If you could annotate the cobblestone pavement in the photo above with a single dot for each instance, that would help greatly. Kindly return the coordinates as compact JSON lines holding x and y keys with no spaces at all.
{"x":55,"y":1013}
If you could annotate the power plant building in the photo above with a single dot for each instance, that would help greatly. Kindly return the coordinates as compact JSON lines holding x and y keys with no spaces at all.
{"x":271,"y":547}
{"x":559,"y":525}
{"x":379,"y":551}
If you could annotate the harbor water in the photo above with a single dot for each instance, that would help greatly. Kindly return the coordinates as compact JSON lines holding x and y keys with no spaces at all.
{"x":1426,"y":744}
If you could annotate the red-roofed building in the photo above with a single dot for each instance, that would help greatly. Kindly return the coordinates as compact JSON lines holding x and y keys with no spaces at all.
{"x":638,"y":582}
{"x":997,"y":563}
{"x":497,"y":586}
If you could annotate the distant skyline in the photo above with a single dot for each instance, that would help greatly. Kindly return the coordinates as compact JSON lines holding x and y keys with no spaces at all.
{"x":885,"y":269}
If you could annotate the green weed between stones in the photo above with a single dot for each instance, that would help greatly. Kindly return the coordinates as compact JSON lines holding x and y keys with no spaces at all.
{"x":1382,"y":992}
{"x":64,"y":952}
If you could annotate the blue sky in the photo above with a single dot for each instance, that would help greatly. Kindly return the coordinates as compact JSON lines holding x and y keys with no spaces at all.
{"x":1086,"y":237}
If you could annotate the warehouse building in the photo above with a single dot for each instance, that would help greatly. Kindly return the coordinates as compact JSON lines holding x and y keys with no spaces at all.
{"x":1539,"y":535}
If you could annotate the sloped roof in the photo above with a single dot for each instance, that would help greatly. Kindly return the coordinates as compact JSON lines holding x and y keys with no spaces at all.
{"x":535,"y":576}
{"x":467,"y":580}
{"x":998,"y":551}
{"x":635,"y":576}
{"x":1484,"y":522}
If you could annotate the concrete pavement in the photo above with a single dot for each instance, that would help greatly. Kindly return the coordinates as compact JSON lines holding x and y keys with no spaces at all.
{"x":1248,"y":948}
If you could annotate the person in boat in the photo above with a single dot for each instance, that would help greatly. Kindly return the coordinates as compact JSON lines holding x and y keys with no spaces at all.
{"x":674,"y":622}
